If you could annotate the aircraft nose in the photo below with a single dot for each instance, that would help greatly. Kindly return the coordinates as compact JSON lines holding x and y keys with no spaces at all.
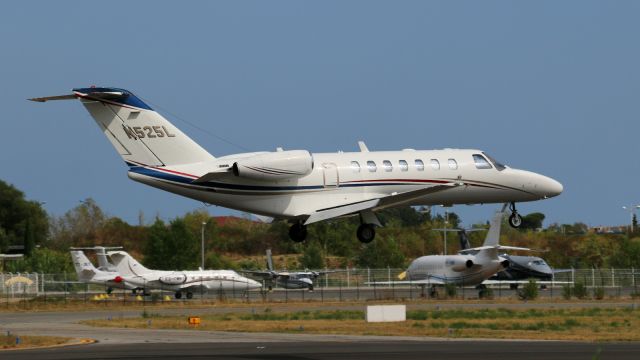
{"x":550,"y":187}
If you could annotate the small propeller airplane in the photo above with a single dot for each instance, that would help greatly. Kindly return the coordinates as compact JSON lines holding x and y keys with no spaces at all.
{"x":296,"y":185}
{"x":286,"y":279}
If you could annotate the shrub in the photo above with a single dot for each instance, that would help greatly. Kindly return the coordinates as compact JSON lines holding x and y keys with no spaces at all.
{"x":598,"y":293}
{"x":529,"y":291}
{"x":450,"y":290}
{"x":580,"y":290}
{"x":567,"y":292}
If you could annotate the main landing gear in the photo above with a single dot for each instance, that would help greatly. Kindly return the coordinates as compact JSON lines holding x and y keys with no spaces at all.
{"x":298,"y":232}
{"x":178,"y":295}
{"x":366,"y":233}
{"x":515,"y":220}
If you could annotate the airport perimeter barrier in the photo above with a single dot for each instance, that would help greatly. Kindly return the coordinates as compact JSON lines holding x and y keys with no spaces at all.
{"x":348,"y":284}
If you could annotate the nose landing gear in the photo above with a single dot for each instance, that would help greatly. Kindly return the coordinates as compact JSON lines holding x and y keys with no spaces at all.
{"x":515,"y":220}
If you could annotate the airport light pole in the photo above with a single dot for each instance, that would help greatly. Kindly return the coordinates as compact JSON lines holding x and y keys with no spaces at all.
{"x":632,"y":211}
{"x":204,"y":224}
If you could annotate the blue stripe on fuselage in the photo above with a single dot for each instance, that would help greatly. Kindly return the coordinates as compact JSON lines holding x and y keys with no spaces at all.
{"x":184,"y":180}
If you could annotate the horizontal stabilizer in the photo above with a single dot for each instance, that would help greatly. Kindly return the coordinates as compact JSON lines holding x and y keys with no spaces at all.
{"x":498,"y":247}
{"x":59,"y":97}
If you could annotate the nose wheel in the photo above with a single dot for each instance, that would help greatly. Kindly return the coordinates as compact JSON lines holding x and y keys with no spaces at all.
{"x":515,"y":220}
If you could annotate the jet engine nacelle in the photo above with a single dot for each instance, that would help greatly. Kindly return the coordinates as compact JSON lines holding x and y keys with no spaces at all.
{"x":279,"y":165}
{"x":173,"y":279}
{"x":458,"y":263}
{"x":505,"y":263}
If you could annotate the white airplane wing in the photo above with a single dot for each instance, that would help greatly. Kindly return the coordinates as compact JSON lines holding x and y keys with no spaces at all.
{"x":380,"y":203}
{"x":541,"y":282}
{"x":430,"y":281}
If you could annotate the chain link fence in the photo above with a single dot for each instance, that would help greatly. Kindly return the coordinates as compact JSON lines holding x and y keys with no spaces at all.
{"x":348,"y":284}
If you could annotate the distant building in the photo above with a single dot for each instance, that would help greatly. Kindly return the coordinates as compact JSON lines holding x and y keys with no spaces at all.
{"x":619,"y":229}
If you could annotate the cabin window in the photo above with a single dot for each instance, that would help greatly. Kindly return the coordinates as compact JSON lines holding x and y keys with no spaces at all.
{"x":435,"y":164}
{"x":371,"y":165}
{"x":387,"y":165}
{"x":481,"y":162}
{"x":403,"y":165}
{"x":355,"y":166}
{"x":453,"y":164}
{"x":419,"y":165}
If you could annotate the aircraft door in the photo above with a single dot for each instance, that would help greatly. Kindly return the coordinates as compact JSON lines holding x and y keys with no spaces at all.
{"x":331,"y":178}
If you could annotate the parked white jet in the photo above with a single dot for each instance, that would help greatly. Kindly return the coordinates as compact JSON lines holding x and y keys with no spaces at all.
{"x":179,"y":281}
{"x":296,"y":185}
{"x":462,"y":269}
{"x":87,"y":273}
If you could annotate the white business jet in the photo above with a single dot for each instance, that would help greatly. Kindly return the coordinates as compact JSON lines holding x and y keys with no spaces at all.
{"x":296,"y":185}
{"x":132,"y":272}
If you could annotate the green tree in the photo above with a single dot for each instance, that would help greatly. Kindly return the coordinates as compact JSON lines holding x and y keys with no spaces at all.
{"x":381,"y":253}
{"x":78,"y":226}
{"x":171,"y":247}
{"x":312,"y":256}
{"x":21,"y":221}
{"x":532,"y":221}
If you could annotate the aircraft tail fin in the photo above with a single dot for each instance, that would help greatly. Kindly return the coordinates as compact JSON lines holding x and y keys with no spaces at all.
{"x":126,"y":265}
{"x":269,"y":260}
{"x":493,"y":236}
{"x":464,"y":240}
{"x":138,"y":133}
{"x":84,"y":268}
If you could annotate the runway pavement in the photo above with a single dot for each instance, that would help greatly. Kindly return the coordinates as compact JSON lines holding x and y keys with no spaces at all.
{"x":336,"y":350}
{"x":118,"y":343}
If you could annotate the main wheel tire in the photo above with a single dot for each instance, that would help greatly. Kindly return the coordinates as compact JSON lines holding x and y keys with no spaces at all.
{"x":515,"y":220}
{"x":298,"y":232}
{"x":189,"y":295}
{"x":366,"y":233}
{"x":178,"y":295}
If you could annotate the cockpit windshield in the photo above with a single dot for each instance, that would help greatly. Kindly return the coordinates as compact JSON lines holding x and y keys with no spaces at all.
{"x":495,"y":163}
{"x":538,"y":262}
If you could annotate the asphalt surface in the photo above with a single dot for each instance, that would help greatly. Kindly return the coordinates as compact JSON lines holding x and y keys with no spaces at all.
{"x":122,"y":343}
{"x":352,"y":350}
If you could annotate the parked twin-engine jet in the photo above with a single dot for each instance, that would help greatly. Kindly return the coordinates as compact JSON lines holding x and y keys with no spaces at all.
{"x":296,"y":185}
{"x":132,"y":272}
{"x":469,"y":269}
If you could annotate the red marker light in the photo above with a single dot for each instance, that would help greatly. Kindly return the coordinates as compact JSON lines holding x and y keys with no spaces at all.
{"x":118,"y":279}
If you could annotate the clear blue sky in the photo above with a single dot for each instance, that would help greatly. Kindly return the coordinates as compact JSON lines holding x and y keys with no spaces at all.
{"x":548,"y":86}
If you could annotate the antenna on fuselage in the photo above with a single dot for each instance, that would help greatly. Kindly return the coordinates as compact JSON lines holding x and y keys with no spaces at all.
{"x":363,"y":147}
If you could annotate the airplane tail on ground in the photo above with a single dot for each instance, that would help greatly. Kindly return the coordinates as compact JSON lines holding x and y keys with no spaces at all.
{"x":127,"y":265}
{"x":269,"y":260}
{"x":493,"y":236}
{"x":84,"y":268}
{"x":139,"y":134}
